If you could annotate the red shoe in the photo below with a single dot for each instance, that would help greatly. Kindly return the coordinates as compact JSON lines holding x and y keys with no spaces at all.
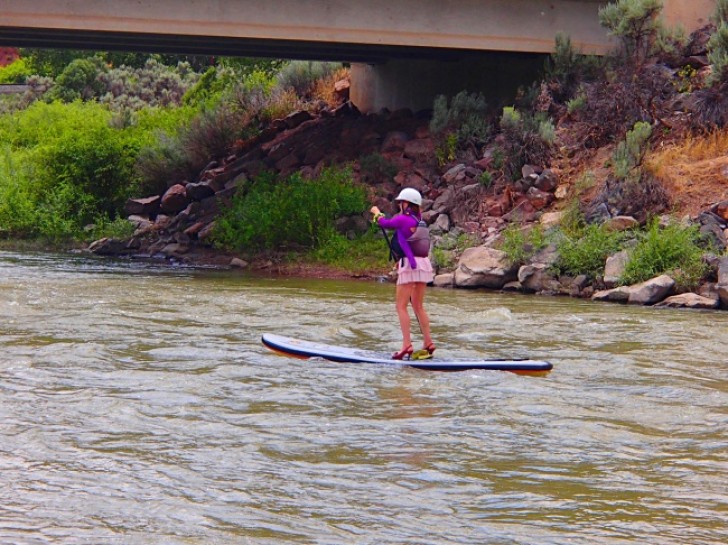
{"x":402,"y":353}
{"x":430,"y":348}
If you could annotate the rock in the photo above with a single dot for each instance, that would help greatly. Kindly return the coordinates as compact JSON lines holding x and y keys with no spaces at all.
{"x":237,"y":263}
{"x":614,"y":268}
{"x":551,"y":219}
{"x":530,"y":170}
{"x":689,"y":300}
{"x":547,"y":181}
{"x":420,"y":150}
{"x":108,"y":246}
{"x":535,"y":278}
{"x":547,"y":255}
{"x":721,"y":210}
{"x":453,"y":174}
{"x":206,"y":231}
{"x":598,"y":214}
{"x":446,"y":280}
{"x":621,"y":223}
{"x":444,"y":203}
{"x":174,"y":199}
{"x":562,"y":192}
{"x":394,"y":141}
{"x":294,"y":119}
{"x":442,"y":223}
{"x":539,"y":199}
{"x":199,"y":191}
{"x":722,"y":285}
{"x":143,"y":207}
{"x":617,"y":295}
{"x":484,"y":267}
{"x":651,"y":291}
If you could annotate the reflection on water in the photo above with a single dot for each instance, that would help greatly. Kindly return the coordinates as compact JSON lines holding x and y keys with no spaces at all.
{"x":138,"y":406}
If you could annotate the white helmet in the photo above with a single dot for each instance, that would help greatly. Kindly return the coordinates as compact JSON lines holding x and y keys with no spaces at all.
{"x":410,"y":195}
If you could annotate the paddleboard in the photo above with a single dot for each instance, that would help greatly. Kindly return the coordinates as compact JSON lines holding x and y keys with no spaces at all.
{"x":298,"y":348}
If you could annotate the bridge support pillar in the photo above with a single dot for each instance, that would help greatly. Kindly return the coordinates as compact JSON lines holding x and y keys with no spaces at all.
{"x":414,"y":84}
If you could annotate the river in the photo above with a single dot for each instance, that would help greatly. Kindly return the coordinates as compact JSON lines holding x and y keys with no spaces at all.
{"x":137,"y":406}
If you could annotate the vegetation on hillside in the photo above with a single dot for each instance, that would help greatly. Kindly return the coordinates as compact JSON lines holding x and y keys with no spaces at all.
{"x":97,"y":128}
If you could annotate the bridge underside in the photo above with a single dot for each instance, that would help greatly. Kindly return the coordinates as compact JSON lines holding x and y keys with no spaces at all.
{"x":403,"y":53}
{"x":50,"y":38}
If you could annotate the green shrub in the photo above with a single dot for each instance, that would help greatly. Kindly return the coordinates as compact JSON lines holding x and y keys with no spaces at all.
{"x":51,"y":62}
{"x":465,"y":117}
{"x":64,"y":167}
{"x":587,"y":253}
{"x":78,"y":81}
{"x":635,"y":23}
{"x":301,"y":76}
{"x":718,"y":55}
{"x":673,"y":249}
{"x":364,"y":253}
{"x":630,"y":152}
{"x":573,"y":223}
{"x":721,"y":12}
{"x":296,"y":212}
{"x":520,"y":245}
{"x":567,"y":67}
{"x":376,"y":168}
{"x":16,"y":72}
{"x":527,"y":139}
{"x":576,"y":104}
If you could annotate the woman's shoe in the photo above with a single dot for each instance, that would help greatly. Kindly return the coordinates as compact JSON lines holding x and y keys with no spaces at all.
{"x":430,"y":348}
{"x":402,"y":353}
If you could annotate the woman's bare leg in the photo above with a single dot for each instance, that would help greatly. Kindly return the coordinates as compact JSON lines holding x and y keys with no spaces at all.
{"x":402,"y":299}
{"x":418,"y":304}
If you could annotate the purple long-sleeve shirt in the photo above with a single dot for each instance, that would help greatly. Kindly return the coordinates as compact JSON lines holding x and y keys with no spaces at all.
{"x":404,"y":225}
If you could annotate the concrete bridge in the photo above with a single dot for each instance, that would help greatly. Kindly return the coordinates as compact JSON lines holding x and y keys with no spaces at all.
{"x":403,"y":52}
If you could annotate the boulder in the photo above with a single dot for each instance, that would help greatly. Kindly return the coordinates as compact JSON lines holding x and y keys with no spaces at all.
{"x":199,"y":190}
{"x":722,"y":285}
{"x":394,"y":141}
{"x":651,"y":291}
{"x":109,"y":246}
{"x":237,"y":263}
{"x":721,"y":210}
{"x":143,"y":207}
{"x":616,"y":295}
{"x":174,"y":199}
{"x":621,"y":223}
{"x":551,"y":219}
{"x":539,"y":199}
{"x":482,"y":267}
{"x":547,"y":181}
{"x":615,"y":267}
{"x":420,"y":150}
{"x":536,"y":278}
{"x":296,"y":118}
{"x":454,"y":174}
{"x":689,"y":300}
{"x":442,"y":223}
{"x":446,"y":280}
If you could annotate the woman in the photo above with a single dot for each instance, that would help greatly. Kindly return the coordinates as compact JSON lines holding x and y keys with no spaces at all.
{"x":414,"y":270}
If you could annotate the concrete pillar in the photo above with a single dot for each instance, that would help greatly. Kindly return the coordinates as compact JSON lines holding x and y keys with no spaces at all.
{"x":414,"y":84}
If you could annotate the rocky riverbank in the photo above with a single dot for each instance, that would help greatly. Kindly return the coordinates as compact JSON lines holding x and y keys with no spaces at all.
{"x":177,"y":224}
{"x":466,"y":208}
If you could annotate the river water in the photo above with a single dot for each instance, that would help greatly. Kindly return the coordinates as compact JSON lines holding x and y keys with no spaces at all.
{"x":138,"y":406}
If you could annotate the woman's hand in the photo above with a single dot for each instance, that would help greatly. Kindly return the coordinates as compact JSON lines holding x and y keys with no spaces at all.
{"x":375,"y":210}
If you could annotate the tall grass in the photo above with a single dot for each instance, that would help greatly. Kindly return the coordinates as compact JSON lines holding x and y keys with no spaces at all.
{"x":673,"y":249}
{"x":295,"y":213}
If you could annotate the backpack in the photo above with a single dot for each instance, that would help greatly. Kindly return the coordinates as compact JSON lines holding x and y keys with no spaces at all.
{"x":419,"y":242}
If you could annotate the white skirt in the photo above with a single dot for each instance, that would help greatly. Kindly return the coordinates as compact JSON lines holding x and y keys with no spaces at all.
{"x":423,"y":272}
